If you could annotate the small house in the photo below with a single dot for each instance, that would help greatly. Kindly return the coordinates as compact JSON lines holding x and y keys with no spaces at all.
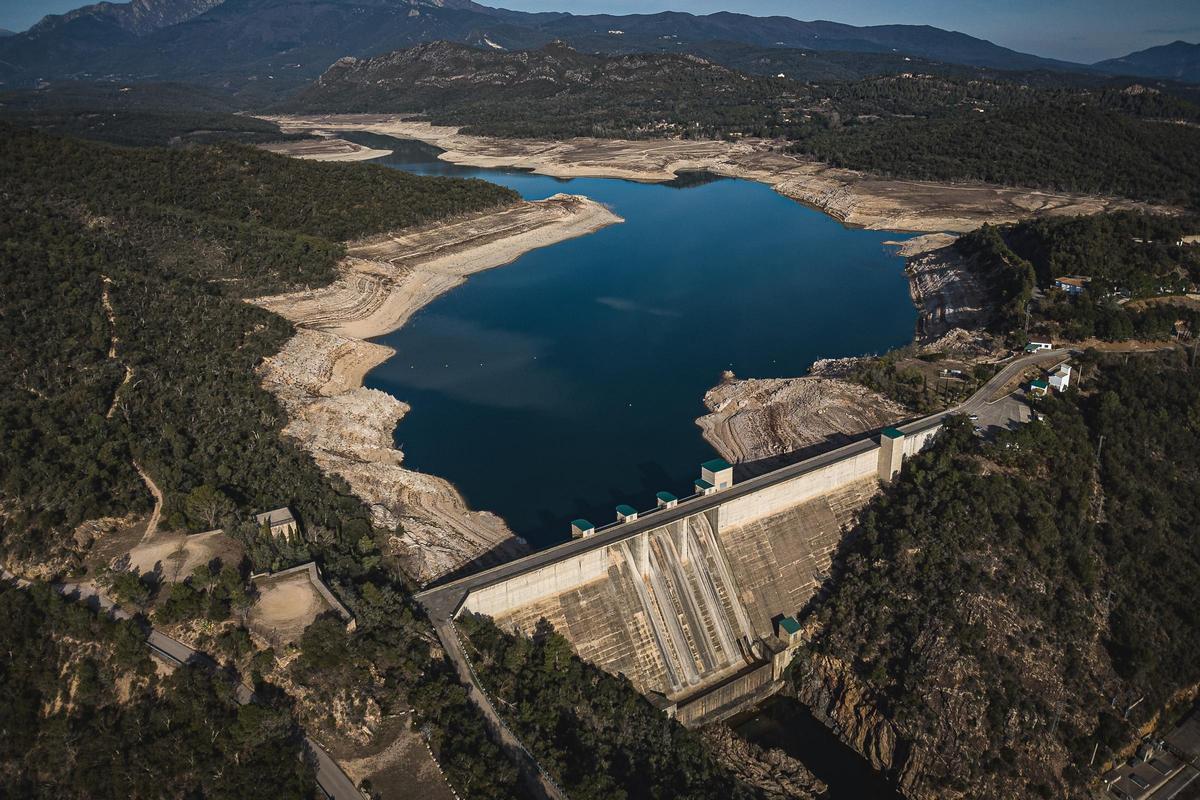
{"x":1037,"y":347}
{"x":1071,"y":284}
{"x":1038,"y":388}
{"x":1060,"y":379}
{"x":280,"y":523}
{"x":703,"y":486}
{"x":626,"y":513}
{"x":581,"y":529}
{"x":717,"y":472}
{"x":666,"y":500}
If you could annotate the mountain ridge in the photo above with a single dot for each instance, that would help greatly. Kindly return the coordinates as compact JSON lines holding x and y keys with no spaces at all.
{"x":266,"y":48}
{"x":1177,"y":60}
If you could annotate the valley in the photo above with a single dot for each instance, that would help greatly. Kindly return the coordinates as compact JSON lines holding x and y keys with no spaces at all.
{"x":424,"y":399}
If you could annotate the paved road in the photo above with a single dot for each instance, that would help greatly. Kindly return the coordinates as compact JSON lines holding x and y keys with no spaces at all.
{"x":442,"y":602}
{"x":333,"y":782}
{"x":1178,"y":782}
{"x":534,"y":776}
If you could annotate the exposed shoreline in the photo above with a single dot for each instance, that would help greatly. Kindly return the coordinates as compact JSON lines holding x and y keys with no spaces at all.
{"x":347,"y":428}
{"x":768,"y":419}
{"x":853,"y":198}
{"x":328,"y":147}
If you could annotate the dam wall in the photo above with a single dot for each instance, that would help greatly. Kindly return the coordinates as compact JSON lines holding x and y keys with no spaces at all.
{"x":782,"y":496}
{"x":685,"y":600}
{"x":535,"y":585}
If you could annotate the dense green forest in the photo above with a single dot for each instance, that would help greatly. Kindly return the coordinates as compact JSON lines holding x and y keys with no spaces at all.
{"x":1126,"y":255}
{"x":1045,"y":146}
{"x":594,"y":732}
{"x":138,"y":114}
{"x":84,"y":715}
{"x":1041,"y":585}
{"x":179,"y":238}
{"x":175,"y":258}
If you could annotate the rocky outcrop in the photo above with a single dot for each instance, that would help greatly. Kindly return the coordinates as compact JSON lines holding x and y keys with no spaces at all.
{"x":840,"y":700}
{"x":759,"y":418}
{"x":774,"y":772}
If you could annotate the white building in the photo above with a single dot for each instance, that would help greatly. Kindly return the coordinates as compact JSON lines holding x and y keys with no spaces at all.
{"x":1060,"y":379}
{"x":1071,"y":284}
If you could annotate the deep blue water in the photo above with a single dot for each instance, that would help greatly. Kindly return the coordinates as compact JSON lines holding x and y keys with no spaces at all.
{"x":569,"y":381}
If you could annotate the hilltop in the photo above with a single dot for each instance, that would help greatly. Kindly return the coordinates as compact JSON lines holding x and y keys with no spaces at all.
{"x":1178,"y":61}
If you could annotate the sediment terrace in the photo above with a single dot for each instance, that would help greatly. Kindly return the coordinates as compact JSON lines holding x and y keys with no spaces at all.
{"x":347,"y":428}
{"x":769,"y":418}
{"x":854,"y":198}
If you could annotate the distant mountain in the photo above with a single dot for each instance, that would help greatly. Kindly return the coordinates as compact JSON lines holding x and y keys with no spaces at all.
{"x":6,"y":32}
{"x":138,"y":17}
{"x":1178,"y":61}
{"x":263,"y":49}
{"x":683,"y":31}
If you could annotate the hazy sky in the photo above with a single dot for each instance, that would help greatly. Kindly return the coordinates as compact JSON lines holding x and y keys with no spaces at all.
{"x":1077,"y":30}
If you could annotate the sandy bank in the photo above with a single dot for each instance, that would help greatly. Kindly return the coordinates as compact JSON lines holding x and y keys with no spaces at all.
{"x":348,"y":428}
{"x":852,"y":197}
{"x":327,"y":147}
{"x":763,"y":418}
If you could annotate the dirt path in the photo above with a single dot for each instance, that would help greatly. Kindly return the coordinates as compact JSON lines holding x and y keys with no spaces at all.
{"x":152,"y":525}
{"x":106,"y":300}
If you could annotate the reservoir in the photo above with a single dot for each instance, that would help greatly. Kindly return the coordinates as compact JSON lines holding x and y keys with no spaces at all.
{"x":568,"y":382}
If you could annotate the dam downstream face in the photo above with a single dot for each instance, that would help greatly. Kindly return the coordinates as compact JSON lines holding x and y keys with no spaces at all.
{"x":568,"y":381}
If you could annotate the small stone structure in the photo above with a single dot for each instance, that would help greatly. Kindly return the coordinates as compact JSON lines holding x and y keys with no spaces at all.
{"x":717,"y":473}
{"x":279,"y":522}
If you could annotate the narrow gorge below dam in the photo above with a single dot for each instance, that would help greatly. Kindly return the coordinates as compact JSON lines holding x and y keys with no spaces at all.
{"x":569,"y":381}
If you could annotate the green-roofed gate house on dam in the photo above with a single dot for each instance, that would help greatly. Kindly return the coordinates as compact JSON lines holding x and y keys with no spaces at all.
{"x":695,"y":599}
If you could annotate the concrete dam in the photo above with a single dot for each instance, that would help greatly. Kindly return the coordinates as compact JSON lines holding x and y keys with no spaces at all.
{"x":695,"y":600}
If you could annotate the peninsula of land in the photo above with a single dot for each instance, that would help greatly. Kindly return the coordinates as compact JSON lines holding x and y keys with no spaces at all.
{"x":854,"y":198}
{"x":348,"y":428}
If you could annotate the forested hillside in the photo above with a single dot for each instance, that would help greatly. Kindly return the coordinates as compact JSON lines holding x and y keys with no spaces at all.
{"x":556,"y":92}
{"x":1125,"y":255}
{"x":138,"y":114}
{"x":1043,"y":145}
{"x":593,"y":731}
{"x":173,"y":240}
{"x":83,"y":714}
{"x":1017,"y":130}
{"x":1007,"y":601}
